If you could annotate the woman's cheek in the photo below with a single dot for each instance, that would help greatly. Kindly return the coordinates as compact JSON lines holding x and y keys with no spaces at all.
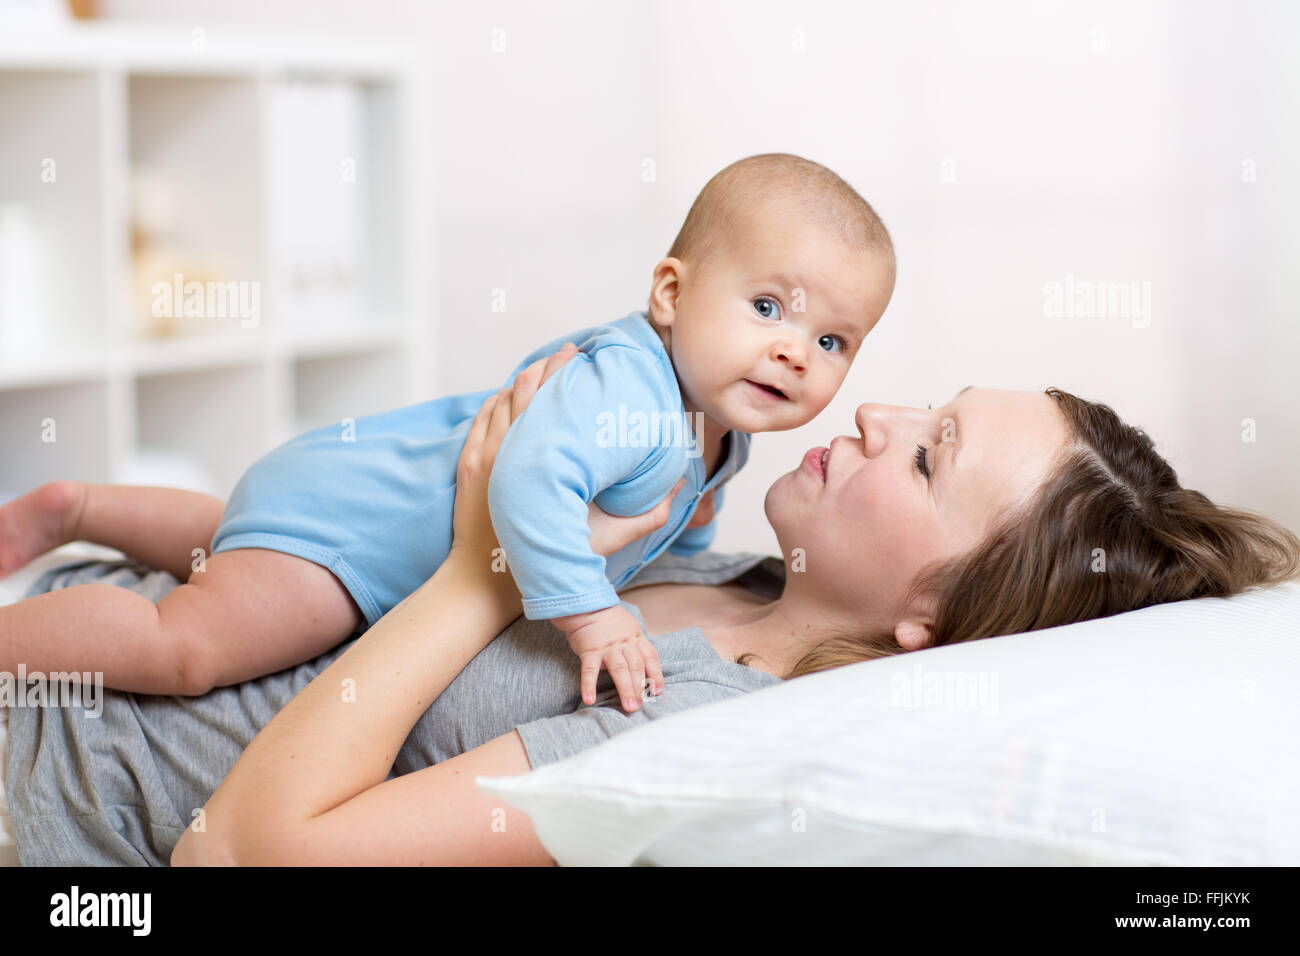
{"x":894,"y":516}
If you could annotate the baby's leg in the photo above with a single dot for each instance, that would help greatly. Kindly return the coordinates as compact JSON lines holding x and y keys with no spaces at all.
{"x":160,"y":527}
{"x":251,"y":612}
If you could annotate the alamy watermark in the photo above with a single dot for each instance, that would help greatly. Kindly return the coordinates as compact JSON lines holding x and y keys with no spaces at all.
{"x":208,"y":300}
{"x":1090,"y":299}
{"x":130,"y":910}
{"x":55,"y":689}
{"x":656,"y":429}
{"x":945,"y":690}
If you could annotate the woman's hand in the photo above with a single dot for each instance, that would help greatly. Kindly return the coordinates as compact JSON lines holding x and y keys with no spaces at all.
{"x":473,"y":540}
{"x":610,"y":533}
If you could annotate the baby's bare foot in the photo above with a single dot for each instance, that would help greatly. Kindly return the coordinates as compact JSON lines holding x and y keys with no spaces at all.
{"x":39,"y":521}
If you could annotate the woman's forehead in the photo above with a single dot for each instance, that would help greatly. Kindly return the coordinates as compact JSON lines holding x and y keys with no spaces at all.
{"x":1011,"y":433}
{"x":1006,"y":442}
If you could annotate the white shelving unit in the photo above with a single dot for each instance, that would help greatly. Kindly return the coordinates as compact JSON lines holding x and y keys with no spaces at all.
{"x":85,"y":112}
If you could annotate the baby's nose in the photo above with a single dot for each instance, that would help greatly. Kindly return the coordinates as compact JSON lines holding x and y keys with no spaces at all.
{"x":792,"y":356}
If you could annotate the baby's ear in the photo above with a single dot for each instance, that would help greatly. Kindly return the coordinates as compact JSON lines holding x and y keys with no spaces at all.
{"x":664,"y":289}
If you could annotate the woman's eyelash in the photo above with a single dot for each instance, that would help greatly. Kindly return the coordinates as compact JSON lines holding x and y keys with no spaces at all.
{"x":921,"y":466}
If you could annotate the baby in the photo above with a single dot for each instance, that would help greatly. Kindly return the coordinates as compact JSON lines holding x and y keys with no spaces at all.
{"x":778,"y":274}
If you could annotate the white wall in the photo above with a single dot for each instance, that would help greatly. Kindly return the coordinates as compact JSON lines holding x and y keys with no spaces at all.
{"x":1006,"y":145}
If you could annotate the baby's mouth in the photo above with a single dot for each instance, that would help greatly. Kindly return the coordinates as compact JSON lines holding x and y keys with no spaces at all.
{"x":769,"y":389}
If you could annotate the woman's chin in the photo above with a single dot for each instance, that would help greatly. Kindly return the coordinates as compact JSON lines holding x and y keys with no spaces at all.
{"x":777,"y":502}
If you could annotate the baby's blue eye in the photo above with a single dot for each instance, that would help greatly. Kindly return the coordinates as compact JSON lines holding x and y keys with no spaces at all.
{"x":772,"y":310}
{"x":834,"y":340}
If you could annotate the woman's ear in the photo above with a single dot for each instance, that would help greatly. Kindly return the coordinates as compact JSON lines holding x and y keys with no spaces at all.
{"x":912,"y":635}
{"x":664,"y":288}
{"x":914,"y":632}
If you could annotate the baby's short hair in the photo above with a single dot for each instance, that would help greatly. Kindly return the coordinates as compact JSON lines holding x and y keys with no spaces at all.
{"x":726,"y":199}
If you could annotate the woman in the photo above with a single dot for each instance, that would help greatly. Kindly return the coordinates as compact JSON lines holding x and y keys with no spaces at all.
{"x":929,"y":527}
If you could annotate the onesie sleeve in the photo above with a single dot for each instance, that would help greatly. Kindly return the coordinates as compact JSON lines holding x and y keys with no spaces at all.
{"x":694,"y":540}
{"x":561,"y":453}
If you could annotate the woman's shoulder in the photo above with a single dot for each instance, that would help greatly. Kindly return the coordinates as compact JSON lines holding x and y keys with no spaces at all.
{"x":760,"y":573}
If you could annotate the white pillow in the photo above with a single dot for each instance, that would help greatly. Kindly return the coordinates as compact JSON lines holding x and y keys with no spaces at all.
{"x":1169,"y":735}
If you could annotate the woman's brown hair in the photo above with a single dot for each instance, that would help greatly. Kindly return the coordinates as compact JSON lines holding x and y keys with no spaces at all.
{"x":1111,"y":530}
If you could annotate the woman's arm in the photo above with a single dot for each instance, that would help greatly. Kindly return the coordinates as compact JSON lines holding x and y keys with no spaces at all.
{"x":311,"y":788}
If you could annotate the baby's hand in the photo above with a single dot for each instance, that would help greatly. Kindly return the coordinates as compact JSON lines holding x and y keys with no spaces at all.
{"x":612,"y":638}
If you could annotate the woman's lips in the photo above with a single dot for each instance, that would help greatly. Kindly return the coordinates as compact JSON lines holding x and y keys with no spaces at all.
{"x":813,"y":462}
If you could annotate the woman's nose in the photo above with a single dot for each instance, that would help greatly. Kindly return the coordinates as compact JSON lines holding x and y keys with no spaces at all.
{"x":877,"y":423}
{"x":871,"y":428}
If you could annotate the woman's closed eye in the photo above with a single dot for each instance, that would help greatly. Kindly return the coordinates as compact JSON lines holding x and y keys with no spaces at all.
{"x":921,"y":466}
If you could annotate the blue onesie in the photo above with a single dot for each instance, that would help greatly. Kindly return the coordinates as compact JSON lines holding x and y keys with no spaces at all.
{"x":373,"y":503}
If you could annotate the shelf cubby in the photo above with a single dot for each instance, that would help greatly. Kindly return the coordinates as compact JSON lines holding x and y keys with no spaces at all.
{"x":215,"y":417}
{"x":331,"y":388}
{"x":54,"y":431}
{"x":52,"y":265}
{"x":128,"y":156}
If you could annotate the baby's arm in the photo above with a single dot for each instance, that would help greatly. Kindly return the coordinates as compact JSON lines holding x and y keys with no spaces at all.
{"x":552,"y":464}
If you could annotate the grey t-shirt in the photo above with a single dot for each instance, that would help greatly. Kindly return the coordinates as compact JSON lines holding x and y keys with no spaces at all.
{"x":119,"y":789}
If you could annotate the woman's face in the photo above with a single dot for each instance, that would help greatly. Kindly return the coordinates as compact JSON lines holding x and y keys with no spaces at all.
{"x":873,"y":520}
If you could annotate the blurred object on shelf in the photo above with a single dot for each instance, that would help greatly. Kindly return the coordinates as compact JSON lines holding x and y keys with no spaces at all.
{"x":34,"y":12}
{"x":20,"y":270}
{"x":83,"y":9}
{"x":153,"y":201}
{"x":316,"y":171}
{"x":163,"y":268}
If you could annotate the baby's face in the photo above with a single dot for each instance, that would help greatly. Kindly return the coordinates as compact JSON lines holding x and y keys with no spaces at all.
{"x":785,"y":309}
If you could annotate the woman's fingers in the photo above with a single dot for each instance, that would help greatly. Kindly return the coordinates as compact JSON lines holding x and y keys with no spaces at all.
{"x":558,"y":359}
{"x":499,"y":424}
{"x":703,"y":511}
{"x":609,"y":533}
{"x":657,"y":516}
{"x":478,"y":431}
{"x":472,"y":531}
{"x":528,"y":381}
{"x":499,"y":410}
{"x":470,"y":459}
{"x":524,"y":388}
